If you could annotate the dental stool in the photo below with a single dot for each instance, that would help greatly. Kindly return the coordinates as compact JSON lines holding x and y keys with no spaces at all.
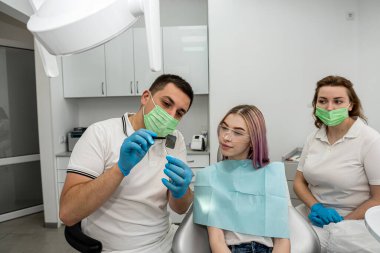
{"x":192,"y":237}
{"x":81,"y":242}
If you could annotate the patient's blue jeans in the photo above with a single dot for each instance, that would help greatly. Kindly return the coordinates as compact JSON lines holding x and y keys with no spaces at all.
{"x":250,"y":247}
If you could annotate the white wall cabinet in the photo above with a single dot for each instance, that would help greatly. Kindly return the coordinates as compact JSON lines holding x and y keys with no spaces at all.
{"x":196,"y":163}
{"x":127,"y":64}
{"x":121,"y":66}
{"x":84,"y":75}
{"x":62,"y":163}
{"x":290,"y":172}
{"x":120,"y":74}
{"x":144,"y":77}
{"x":185,"y":53}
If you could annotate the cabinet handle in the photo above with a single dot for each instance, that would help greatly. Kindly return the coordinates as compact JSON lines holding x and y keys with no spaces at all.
{"x":137,"y":86}
{"x":131,"y":86}
{"x":191,"y":161}
{"x":102,"y":88}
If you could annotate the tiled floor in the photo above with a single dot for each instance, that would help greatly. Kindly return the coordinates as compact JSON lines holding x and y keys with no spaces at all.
{"x":28,"y":235}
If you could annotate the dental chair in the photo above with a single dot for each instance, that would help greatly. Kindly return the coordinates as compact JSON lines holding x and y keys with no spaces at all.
{"x":81,"y":242}
{"x":191,"y":237}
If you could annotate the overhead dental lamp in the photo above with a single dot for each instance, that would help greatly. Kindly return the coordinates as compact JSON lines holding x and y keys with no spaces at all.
{"x":64,"y":27}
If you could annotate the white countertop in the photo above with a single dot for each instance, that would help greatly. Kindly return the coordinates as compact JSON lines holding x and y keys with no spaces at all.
{"x":372,"y":221}
{"x":189,"y":152}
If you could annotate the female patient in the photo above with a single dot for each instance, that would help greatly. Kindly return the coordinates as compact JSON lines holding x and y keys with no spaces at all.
{"x":235,"y":193}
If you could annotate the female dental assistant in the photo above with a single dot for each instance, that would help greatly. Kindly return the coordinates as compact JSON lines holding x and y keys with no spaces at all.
{"x":116,"y":174}
{"x":338,"y":176}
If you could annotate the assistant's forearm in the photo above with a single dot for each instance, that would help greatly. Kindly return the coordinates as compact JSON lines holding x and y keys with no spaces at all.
{"x":359,"y":212}
{"x":181,"y":205}
{"x":84,"y":198}
{"x":304,"y":194}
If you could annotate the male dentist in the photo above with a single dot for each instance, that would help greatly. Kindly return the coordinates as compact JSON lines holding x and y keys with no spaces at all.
{"x":121,"y":177}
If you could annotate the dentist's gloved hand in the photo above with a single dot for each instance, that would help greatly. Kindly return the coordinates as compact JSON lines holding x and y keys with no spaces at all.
{"x":180,"y":176}
{"x":327,"y":215}
{"x":134,"y":149}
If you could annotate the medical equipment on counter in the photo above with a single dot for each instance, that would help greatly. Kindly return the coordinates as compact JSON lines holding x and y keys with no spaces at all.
{"x":198,"y":143}
{"x":73,"y":26}
{"x":73,"y":137}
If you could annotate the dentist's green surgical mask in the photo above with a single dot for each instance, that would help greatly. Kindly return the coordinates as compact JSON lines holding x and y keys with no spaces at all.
{"x":159,"y":121}
{"x":333,"y":117}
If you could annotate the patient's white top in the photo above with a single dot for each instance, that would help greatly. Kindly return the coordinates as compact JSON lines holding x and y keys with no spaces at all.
{"x":135,"y":217}
{"x":339,"y":175}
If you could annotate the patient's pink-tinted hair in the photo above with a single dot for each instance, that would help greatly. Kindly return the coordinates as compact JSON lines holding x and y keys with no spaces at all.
{"x":257,"y":132}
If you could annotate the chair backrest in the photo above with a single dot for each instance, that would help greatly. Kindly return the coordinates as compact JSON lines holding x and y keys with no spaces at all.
{"x":192,"y":237}
{"x":81,"y":242}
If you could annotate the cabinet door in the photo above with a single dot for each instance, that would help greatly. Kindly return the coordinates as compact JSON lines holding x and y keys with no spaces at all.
{"x":144,"y":77}
{"x":84,"y":74}
{"x":119,"y":65}
{"x":185,"y":53}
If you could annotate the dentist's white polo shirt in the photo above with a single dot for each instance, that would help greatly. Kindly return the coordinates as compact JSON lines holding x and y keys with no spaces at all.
{"x":340,"y":175}
{"x":135,"y":217}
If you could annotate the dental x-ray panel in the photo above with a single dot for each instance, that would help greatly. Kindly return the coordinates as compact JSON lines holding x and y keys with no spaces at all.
{"x":73,"y":26}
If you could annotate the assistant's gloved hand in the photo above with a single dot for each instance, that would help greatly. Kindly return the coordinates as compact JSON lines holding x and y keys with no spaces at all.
{"x":180,"y":176}
{"x":134,"y":149}
{"x":326,"y":215}
{"x":315,"y":220}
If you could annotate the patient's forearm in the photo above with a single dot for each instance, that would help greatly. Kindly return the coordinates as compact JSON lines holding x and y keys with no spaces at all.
{"x":82,"y":197}
{"x":217,"y":241}
{"x":281,"y":245}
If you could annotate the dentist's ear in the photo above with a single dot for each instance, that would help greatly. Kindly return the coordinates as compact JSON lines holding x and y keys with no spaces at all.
{"x":145,"y":97}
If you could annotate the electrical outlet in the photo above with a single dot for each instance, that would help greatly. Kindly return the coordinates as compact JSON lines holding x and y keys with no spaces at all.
{"x":350,"y":15}
{"x":62,"y":139}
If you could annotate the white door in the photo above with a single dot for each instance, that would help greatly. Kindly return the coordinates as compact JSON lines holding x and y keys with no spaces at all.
{"x":144,"y":77}
{"x":186,"y":54}
{"x":84,"y":74}
{"x":119,"y":65}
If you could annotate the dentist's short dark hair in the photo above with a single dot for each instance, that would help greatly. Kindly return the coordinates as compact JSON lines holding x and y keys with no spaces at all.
{"x":178,"y":81}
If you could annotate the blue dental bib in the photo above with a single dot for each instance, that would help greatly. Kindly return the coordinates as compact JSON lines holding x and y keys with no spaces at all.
{"x":233,"y":195}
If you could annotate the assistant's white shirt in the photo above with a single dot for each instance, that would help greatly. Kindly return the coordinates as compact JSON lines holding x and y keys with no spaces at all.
{"x":135,"y":217}
{"x":339,"y":175}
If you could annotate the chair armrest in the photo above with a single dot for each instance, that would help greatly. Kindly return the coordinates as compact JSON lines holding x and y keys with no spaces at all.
{"x":191,"y":237}
{"x":303,"y":238}
{"x":81,"y":242}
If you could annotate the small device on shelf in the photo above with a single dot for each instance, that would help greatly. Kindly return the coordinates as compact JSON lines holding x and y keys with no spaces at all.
{"x":73,"y":137}
{"x":198,"y":142}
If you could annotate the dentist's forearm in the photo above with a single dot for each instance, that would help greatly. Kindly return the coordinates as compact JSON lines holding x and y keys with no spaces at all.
{"x":181,"y":205}
{"x":81,"y":196}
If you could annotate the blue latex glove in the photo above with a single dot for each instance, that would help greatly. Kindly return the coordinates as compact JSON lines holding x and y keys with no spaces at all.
{"x":327,"y":215}
{"x":315,"y":220}
{"x":134,"y":149}
{"x":180,"y":176}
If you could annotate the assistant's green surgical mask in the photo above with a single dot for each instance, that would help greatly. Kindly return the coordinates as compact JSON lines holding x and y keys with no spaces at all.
{"x":333,"y":117}
{"x":159,"y":121}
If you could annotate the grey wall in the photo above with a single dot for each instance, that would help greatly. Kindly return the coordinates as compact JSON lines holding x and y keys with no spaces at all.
{"x":271,"y":54}
{"x":181,"y":12}
{"x":14,"y":33}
